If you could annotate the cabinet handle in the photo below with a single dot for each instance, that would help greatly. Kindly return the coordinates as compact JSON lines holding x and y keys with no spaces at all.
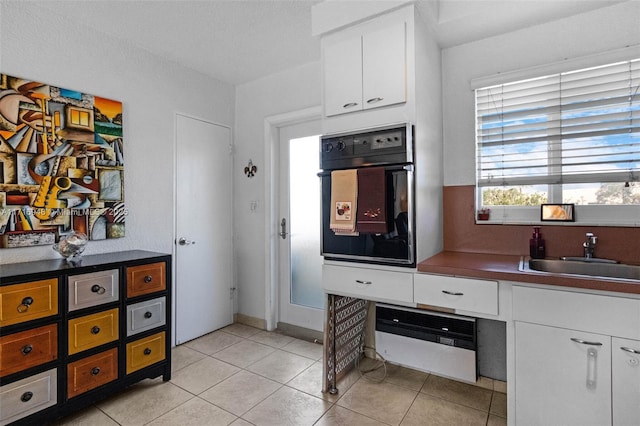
{"x":26,"y":396}
{"x":147,"y":278}
{"x":364,"y":282}
{"x":147,"y":351}
{"x":585,"y":342}
{"x":453,"y":293}
{"x":98,"y":289}
{"x":630,"y":350}
{"x":592,"y":358}
{"x":95,"y":371}
{"x":24,"y":305}
{"x":374,"y":100}
{"x":148,"y":314}
{"x":350,"y":105}
{"x":95,"y":329}
{"x":26,"y":349}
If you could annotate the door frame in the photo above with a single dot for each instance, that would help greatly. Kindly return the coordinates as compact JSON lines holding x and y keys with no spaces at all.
{"x":175,"y":216}
{"x":272,"y":125}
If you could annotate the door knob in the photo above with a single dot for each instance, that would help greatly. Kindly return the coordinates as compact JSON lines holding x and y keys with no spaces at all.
{"x":184,"y":242}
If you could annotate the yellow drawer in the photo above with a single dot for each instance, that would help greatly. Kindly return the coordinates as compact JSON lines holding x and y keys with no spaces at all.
{"x":145,"y":279}
{"x":145,"y":352}
{"x":91,"y":372}
{"x":26,"y":349}
{"x":28,"y":301}
{"x":93,"y":330}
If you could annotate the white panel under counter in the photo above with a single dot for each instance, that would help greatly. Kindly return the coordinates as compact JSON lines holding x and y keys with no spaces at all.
{"x":369,"y":282}
{"x":459,"y":294}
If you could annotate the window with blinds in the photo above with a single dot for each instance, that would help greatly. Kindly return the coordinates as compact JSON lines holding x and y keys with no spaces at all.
{"x":572,"y":137}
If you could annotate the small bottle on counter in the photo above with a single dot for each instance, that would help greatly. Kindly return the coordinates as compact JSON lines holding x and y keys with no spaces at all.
{"x":536,"y":245}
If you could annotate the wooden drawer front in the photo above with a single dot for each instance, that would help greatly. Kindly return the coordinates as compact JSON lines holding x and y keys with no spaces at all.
{"x":91,"y":372}
{"x":145,"y":352}
{"x":146,"y":315}
{"x":145,"y":279}
{"x":27,"y":349}
{"x":93,"y":289}
{"x":464,"y":294}
{"x":28,"y":301}
{"x":27,"y":396}
{"x":93,"y":330}
{"x":370,"y":284}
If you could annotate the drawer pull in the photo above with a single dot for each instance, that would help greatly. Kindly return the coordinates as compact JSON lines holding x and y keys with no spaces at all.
{"x":148,"y":278}
{"x":26,"y":349}
{"x":374,"y":100}
{"x":147,"y":351}
{"x":148,"y":314}
{"x":630,"y":350}
{"x":26,"y":396}
{"x":453,"y":293}
{"x":95,"y":329}
{"x":364,"y":282}
{"x":24,"y":306}
{"x":585,"y":342}
{"x":98,"y":289}
{"x":350,"y":105}
{"x":95,"y":371}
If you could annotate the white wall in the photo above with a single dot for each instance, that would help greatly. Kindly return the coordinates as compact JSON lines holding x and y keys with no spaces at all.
{"x":40,"y":45}
{"x":590,"y":33}
{"x":282,"y":93}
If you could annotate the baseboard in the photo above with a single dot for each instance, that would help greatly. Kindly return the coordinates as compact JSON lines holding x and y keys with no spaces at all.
{"x":250,"y":321}
{"x":300,"y":332}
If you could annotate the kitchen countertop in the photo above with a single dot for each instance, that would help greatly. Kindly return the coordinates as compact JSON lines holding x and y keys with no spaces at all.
{"x":505,"y":268}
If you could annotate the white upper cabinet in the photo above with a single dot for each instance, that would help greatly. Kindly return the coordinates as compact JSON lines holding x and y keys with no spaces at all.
{"x":366,"y":69}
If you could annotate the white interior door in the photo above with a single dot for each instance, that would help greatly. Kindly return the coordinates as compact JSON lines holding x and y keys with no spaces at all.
{"x":204,"y":250}
{"x":301,"y":300}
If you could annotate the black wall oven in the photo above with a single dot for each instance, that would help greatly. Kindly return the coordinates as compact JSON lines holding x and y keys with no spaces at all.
{"x":378,"y":201}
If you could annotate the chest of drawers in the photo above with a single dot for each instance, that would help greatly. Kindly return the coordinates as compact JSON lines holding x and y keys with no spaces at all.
{"x":71,"y":335}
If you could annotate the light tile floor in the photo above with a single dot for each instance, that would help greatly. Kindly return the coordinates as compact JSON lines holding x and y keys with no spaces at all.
{"x":244,"y":376}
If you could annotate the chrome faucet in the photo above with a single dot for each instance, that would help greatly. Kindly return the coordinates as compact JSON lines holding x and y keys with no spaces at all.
{"x":589,"y":245}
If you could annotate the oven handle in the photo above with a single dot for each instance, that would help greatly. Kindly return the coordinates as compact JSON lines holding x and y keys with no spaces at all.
{"x":391,"y":168}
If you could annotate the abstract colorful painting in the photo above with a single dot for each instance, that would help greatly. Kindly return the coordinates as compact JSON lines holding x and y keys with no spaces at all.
{"x":61,"y":164}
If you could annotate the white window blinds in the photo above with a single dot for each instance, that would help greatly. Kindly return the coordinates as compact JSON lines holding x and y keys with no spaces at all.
{"x":574,"y":127}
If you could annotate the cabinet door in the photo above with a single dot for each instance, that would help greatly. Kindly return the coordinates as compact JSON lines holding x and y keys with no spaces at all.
{"x":343,"y":76}
{"x":625,"y":363}
{"x":563,"y":377}
{"x":384,"y":68}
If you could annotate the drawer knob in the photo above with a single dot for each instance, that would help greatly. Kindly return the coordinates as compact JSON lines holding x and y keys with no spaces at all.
{"x":98,"y":289}
{"x":148,"y":278}
{"x":95,"y":371}
{"x":95,"y":329}
{"x":147,"y":351}
{"x":148,"y":314}
{"x":26,"y":349}
{"x":24,"y":305}
{"x":26,"y":396}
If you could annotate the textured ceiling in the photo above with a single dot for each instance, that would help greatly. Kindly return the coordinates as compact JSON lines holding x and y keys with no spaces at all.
{"x":241,"y":40}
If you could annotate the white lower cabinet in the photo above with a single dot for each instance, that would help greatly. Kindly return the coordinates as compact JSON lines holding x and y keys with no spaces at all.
{"x":625,"y":364}
{"x":563,"y":377}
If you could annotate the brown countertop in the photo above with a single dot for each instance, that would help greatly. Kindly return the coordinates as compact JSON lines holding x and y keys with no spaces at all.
{"x":505,"y":267}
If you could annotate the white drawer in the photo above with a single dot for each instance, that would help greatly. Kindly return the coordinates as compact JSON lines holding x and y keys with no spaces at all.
{"x":27,"y":396}
{"x":464,"y":294}
{"x":146,"y":315}
{"x":369,"y":284}
{"x":613,"y":316}
{"x":92,"y":289}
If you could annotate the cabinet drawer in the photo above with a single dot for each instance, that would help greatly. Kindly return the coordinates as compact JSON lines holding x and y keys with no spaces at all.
{"x":93,"y":330}
{"x":145,"y":352}
{"x":27,"y":349}
{"x":91,"y":372}
{"x":28,"y":301}
{"x":92,"y":289}
{"x":370,"y":284}
{"x":145,"y":279}
{"x":27,"y":396}
{"x":465,"y":294}
{"x":146,"y":315}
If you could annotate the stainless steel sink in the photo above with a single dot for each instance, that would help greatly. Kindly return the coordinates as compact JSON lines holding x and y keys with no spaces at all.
{"x":590,"y":268}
